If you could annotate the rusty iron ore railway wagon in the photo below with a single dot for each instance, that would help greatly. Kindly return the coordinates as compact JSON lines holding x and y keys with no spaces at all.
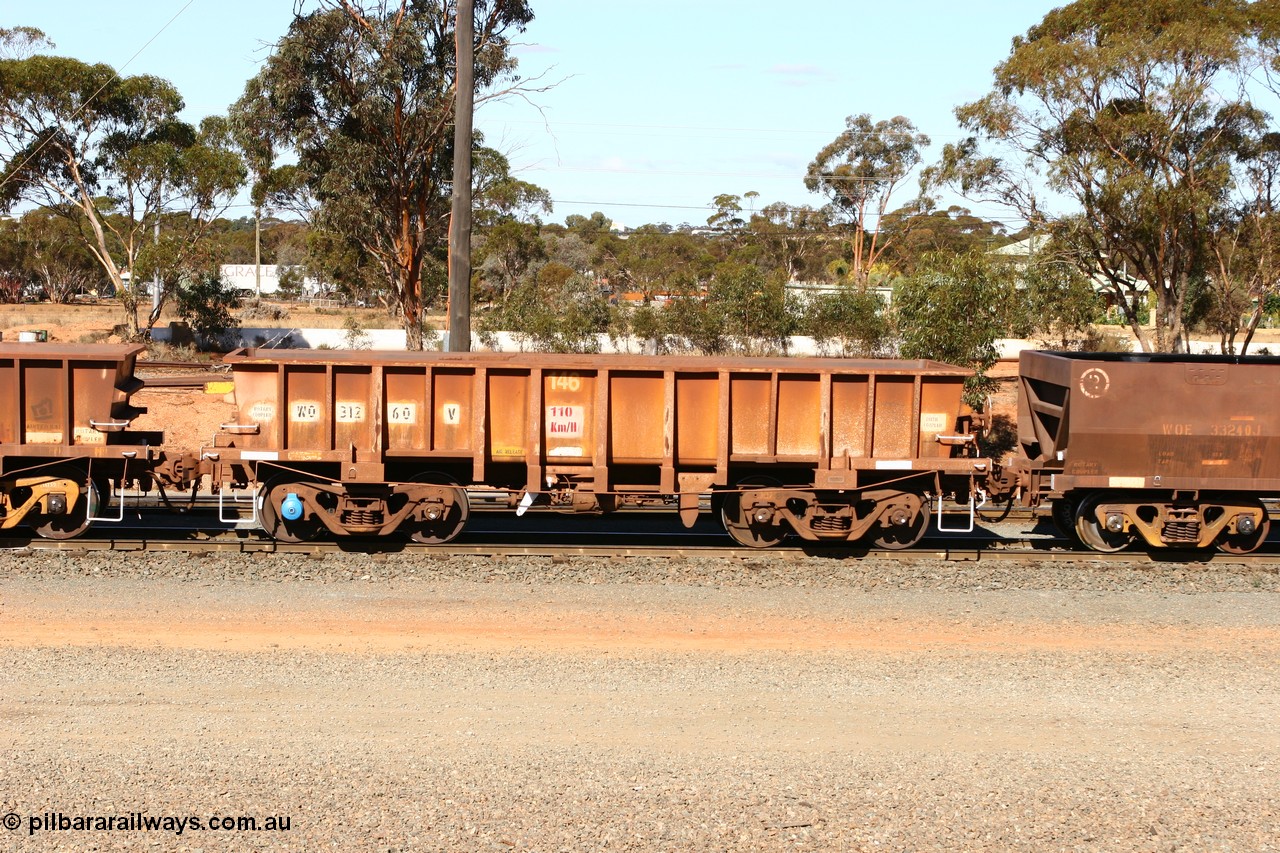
{"x":368,"y":443}
{"x":1172,"y":450}
{"x":65,"y":439}
{"x":1169,"y":451}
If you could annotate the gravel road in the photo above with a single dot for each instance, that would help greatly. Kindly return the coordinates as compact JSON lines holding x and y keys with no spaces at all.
{"x":411,"y":703}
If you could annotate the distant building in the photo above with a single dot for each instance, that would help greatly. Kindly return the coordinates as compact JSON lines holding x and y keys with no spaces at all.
{"x":243,"y":278}
{"x":805,"y":291}
{"x":1024,"y":251}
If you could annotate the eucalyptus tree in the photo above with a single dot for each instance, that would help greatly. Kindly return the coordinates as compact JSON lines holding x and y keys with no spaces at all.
{"x":655,"y":263}
{"x":54,"y":257}
{"x":14,"y":275}
{"x":793,"y":239}
{"x":271,"y":185}
{"x":1140,"y":114}
{"x":860,"y":171}
{"x":364,"y":93}
{"x":955,"y":230}
{"x":954,"y":308}
{"x":111,"y":155}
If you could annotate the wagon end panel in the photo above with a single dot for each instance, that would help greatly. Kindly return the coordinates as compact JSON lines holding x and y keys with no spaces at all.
{"x":1044,"y":381}
{"x":941,"y":407}
{"x":258,"y":402}
{"x":65,"y":395}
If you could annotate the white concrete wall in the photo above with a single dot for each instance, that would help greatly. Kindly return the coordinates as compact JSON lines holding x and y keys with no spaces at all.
{"x":393,"y":339}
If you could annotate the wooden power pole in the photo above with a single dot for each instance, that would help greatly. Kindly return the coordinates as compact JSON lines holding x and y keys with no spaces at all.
{"x":460,"y":219}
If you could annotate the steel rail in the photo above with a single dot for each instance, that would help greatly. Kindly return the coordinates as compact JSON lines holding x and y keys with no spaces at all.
{"x":1041,"y":550}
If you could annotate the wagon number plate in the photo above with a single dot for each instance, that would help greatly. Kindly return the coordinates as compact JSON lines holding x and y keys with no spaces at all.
{"x":305,"y":413}
{"x":350,"y":413}
{"x":402,"y":413}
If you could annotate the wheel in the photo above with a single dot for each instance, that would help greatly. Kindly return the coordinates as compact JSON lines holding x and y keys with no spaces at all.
{"x":1093,"y":534}
{"x":745,"y":530}
{"x":1241,"y":543}
{"x":71,"y":524}
{"x":269,"y":514}
{"x":450,"y":524}
{"x":897,"y":537}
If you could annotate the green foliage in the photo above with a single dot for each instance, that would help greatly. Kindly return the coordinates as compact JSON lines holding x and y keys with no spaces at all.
{"x":911,"y":234}
{"x":1138,"y":111}
{"x":110,"y":153}
{"x":54,"y":255}
{"x":953,"y":310}
{"x":847,"y":322}
{"x":355,"y":336}
{"x":1059,"y":305}
{"x":291,"y":279}
{"x":859,"y":171}
{"x":206,"y":304}
{"x":364,"y":94}
{"x":743,"y":310}
{"x":792,"y":239}
{"x":652,"y":262}
{"x":559,"y":311}
{"x":505,"y":253}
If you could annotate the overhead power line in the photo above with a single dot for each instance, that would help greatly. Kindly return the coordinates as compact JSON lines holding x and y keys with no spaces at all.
{"x":114,"y":76}
{"x":779,"y":131}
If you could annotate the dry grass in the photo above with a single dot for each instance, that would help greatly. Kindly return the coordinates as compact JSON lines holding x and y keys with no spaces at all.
{"x":93,"y":323}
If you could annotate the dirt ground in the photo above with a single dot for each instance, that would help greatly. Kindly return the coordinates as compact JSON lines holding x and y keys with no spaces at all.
{"x":408,"y":618}
{"x":84,"y":323}
{"x":565,"y":714}
{"x":189,"y":417}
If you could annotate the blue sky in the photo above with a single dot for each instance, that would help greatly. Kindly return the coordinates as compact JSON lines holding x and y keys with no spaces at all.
{"x":659,"y":106}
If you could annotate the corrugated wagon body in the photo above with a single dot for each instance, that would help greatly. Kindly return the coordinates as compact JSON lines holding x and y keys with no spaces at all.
{"x":64,"y":438}
{"x":368,"y":442}
{"x":1176,"y":449}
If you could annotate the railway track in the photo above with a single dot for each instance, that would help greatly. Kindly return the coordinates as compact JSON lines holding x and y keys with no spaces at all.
{"x":1039,"y":550}
{"x":1019,"y":534}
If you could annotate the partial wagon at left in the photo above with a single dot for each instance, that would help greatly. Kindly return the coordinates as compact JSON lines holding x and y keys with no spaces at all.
{"x":65,"y":438}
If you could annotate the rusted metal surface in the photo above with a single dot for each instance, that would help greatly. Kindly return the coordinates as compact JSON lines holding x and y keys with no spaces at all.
{"x":1172,"y":450}
{"x":560,"y":412}
{"x":1150,"y":421}
{"x":592,"y":433}
{"x":59,"y":396}
{"x":65,"y":442}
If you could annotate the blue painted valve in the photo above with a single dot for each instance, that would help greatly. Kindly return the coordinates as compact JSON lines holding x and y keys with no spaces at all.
{"x":291,"y":507}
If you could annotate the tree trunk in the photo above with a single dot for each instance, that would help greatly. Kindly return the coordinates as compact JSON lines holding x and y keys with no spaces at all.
{"x":129,"y":301}
{"x":412,"y":318}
